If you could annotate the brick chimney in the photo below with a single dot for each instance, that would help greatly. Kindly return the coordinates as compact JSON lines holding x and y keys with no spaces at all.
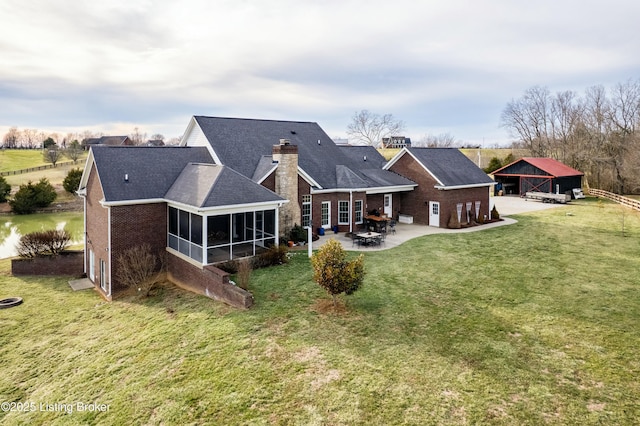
{"x":287,"y":184}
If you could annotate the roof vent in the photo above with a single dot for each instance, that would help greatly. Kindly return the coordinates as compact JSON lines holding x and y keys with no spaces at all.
{"x":285,"y":141}
{"x":318,"y":141}
{"x":365,"y":158}
{"x":126,"y":177}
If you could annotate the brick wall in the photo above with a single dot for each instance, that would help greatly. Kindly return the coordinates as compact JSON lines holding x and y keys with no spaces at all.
{"x":415,"y":203}
{"x":97,"y":223}
{"x":66,"y":263}
{"x":208,"y":281}
{"x":133,"y":226}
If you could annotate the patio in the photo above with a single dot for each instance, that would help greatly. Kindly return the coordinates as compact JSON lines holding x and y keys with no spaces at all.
{"x":404,"y":232}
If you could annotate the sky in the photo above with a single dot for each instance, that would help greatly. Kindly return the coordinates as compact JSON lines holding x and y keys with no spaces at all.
{"x":439,"y":66}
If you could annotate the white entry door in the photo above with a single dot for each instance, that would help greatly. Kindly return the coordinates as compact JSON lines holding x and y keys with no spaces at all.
{"x":434,"y":214}
{"x":388,"y":204}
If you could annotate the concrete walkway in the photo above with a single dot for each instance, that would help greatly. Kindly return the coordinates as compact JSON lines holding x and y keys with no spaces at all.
{"x":506,"y":206}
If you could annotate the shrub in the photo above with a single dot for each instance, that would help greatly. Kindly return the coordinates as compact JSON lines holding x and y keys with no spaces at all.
{"x":334,"y":273}
{"x":43,"y":243}
{"x":140,"y":269}
{"x":72,"y":181}
{"x":494,"y":214}
{"x":5,"y":189}
{"x":275,"y":255}
{"x":31,"y":197}
{"x":454,"y":223}
{"x":297,"y":234}
{"x":244,"y":273}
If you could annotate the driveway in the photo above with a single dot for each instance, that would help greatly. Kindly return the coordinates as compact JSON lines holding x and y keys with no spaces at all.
{"x":509,"y":205}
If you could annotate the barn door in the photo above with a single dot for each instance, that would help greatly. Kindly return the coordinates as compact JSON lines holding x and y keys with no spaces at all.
{"x":434,"y":214}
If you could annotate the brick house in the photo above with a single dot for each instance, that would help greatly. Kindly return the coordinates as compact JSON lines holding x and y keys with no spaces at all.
{"x":176,"y":200}
{"x":448,"y":183}
{"x":327,"y":188}
{"x":234,"y":186}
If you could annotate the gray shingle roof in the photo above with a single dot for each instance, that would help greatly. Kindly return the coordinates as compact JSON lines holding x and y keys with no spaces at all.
{"x":150,"y":170}
{"x":242,"y":143}
{"x":210,"y":185}
{"x":450,"y":166}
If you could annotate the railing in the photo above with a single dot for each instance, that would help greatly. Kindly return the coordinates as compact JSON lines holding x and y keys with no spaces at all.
{"x":35,"y":169}
{"x":629,"y":202}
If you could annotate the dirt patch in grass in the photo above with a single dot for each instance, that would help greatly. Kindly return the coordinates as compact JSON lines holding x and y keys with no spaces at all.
{"x":325,"y":306}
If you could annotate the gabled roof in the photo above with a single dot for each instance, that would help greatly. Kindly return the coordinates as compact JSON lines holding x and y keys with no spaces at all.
{"x":548,"y":165}
{"x":132,"y":173}
{"x":448,"y":166}
{"x":211,"y":185}
{"x":245,"y":145}
{"x":109,"y":140}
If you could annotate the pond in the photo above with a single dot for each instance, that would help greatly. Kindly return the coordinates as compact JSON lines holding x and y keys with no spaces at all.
{"x":15,"y":226}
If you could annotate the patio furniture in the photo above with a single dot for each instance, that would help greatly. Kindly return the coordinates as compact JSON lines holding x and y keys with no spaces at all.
{"x":369,"y":238}
{"x":392,"y":226}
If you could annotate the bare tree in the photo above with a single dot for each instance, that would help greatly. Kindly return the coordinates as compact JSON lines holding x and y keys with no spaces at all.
{"x":443,"y":140}
{"x":52,"y":154}
{"x":157,"y":137}
{"x":137,"y":137}
{"x":370,"y":128}
{"x":11,"y":138}
{"x":529,"y":119}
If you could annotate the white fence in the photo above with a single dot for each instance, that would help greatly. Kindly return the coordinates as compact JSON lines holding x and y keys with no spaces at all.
{"x":629,"y":202}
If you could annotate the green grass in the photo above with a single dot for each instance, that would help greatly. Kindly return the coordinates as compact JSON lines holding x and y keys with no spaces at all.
{"x":532,"y":323}
{"x":18,"y":159}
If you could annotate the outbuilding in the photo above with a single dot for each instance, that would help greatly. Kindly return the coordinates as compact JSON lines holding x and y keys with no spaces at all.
{"x":535,"y":174}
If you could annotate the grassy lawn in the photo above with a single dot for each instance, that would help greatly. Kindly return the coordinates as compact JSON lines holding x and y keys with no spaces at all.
{"x":532,"y":323}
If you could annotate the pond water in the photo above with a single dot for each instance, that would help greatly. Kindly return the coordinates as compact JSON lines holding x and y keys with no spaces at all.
{"x":15,"y":226}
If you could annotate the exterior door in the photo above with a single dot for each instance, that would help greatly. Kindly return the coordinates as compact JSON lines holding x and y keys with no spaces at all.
{"x":388,"y":204}
{"x":434,"y":214}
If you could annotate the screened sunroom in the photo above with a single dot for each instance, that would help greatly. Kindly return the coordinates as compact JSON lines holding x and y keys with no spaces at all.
{"x":220,"y":237}
{"x":215,"y":215}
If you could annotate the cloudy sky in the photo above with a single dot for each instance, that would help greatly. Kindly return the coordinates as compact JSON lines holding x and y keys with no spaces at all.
{"x":441,"y":67}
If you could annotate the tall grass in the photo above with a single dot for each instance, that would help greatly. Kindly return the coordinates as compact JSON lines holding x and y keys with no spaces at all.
{"x":532,"y":323}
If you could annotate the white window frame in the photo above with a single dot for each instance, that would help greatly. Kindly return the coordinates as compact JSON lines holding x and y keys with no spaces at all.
{"x":359,"y":211}
{"x":306,"y":203}
{"x":342,"y":210}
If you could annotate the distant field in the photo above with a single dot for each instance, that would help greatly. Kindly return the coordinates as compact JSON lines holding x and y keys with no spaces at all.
{"x":19,"y":159}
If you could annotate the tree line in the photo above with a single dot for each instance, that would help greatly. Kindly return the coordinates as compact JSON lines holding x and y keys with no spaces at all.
{"x":596,"y":132}
{"x":35,"y":139}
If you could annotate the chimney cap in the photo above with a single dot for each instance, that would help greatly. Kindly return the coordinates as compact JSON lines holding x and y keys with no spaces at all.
{"x":285,"y":141}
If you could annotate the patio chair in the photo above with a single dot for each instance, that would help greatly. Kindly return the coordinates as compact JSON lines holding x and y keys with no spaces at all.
{"x":392,"y":226}
{"x":355,"y":240}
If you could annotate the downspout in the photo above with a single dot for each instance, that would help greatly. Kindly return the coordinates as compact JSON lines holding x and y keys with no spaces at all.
{"x":109,"y":249}
{"x":351,"y":211}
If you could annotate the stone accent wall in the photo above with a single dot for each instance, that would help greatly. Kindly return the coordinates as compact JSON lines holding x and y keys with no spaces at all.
{"x":208,"y":281}
{"x":286,"y":184}
{"x":66,"y":263}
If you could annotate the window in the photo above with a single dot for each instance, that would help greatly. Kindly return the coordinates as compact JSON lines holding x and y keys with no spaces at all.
{"x":306,"y":210}
{"x":325,"y":213}
{"x":358,"y":211}
{"x":343,"y":212}
{"x":185,"y":233}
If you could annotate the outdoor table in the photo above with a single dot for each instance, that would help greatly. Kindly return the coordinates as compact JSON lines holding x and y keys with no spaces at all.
{"x":368,"y":238}
{"x":379,"y":222}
